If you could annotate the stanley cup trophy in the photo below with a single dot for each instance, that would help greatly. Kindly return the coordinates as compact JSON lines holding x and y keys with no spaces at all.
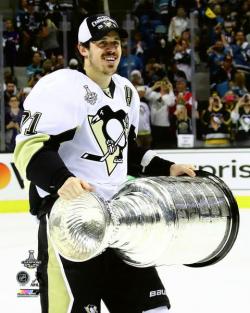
{"x":150,"y":222}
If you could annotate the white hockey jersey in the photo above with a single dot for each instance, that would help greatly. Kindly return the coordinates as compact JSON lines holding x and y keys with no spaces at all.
{"x":67,"y":100}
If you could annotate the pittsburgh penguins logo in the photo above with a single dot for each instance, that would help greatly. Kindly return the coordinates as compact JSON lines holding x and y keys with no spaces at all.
{"x":110,"y":130}
{"x":108,"y":24}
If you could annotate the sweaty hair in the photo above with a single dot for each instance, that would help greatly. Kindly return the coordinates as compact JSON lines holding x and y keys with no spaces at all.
{"x":78,"y":55}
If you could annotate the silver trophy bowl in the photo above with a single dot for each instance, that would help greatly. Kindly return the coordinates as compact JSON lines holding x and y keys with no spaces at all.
{"x":150,"y":221}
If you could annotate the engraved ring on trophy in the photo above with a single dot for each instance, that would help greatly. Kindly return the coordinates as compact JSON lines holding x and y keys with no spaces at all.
{"x":150,"y":222}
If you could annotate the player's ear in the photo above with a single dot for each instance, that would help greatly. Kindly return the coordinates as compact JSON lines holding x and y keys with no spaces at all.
{"x":82,"y":50}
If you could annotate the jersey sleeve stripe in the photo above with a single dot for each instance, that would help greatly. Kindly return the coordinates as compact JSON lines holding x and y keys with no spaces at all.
{"x":25,"y":150}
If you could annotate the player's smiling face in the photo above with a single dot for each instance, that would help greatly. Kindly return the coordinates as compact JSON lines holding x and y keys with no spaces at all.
{"x":104,"y":55}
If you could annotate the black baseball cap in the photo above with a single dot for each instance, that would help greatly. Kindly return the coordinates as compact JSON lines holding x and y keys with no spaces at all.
{"x":95,"y":27}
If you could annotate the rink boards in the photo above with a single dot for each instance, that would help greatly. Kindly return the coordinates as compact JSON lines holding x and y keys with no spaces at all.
{"x":231,"y":165}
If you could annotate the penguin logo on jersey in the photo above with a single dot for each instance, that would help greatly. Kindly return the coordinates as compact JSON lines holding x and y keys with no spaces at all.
{"x":110,"y":130}
{"x":90,"y":96}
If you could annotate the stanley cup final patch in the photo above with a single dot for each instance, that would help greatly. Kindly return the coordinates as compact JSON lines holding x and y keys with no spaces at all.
{"x":90,"y":96}
{"x":28,"y":285}
{"x":31,"y":261}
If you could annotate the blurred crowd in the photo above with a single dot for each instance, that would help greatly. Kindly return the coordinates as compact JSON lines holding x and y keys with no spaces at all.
{"x":157,"y":60}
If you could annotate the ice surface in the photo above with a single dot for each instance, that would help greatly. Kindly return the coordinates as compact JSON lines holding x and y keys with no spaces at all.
{"x":223,"y":287}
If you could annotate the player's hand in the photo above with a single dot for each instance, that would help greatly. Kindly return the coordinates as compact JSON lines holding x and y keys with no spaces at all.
{"x":180,"y":169}
{"x":73,"y":187}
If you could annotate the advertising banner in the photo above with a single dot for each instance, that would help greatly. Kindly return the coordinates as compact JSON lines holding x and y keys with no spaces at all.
{"x":231,"y":165}
{"x":13,"y":192}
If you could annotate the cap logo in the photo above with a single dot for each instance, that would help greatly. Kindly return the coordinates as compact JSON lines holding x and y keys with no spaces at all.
{"x":108,"y":24}
{"x":95,"y":27}
{"x":104,"y":19}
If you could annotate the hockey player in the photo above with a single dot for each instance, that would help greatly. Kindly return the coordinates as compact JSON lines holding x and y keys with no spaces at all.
{"x":78,"y":132}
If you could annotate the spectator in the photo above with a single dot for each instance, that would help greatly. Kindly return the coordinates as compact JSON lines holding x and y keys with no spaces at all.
{"x":59,"y":62}
{"x":228,"y":32}
{"x":217,"y":9}
{"x":241,"y":118}
{"x":183,"y":121}
{"x":146,"y":30}
{"x":53,"y":59}
{"x":215,"y":122}
{"x":129,"y":62}
{"x":28,"y":23}
{"x":216,"y":55}
{"x":183,"y":98}
{"x":164,"y":52}
{"x":182,"y":57}
{"x":145,"y":11}
{"x":183,"y":94}
{"x":238,"y":83}
{"x":139,"y":46}
{"x":73,"y":64}
{"x":161,"y":98}
{"x":51,"y":9}
{"x":217,"y":33}
{"x":36,"y":66}
{"x":174,"y":73}
{"x":136,"y":78}
{"x":245,"y":17}
{"x":144,"y":137}
{"x":13,"y":118}
{"x":8,"y":77}
{"x":178,"y":24}
{"x":220,"y":79}
{"x":166,"y":9}
{"x":48,"y":38}
{"x":241,"y":52}
{"x":47,"y":67}
{"x":10,"y":90}
{"x":34,"y":79}
{"x":153,"y":71}
{"x":11,"y":42}
{"x":23,"y":94}
{"x":186,"y":35}
{"x":229,"y":101}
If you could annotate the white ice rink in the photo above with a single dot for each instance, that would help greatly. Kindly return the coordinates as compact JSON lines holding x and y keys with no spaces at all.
{"x":220,"y":288}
